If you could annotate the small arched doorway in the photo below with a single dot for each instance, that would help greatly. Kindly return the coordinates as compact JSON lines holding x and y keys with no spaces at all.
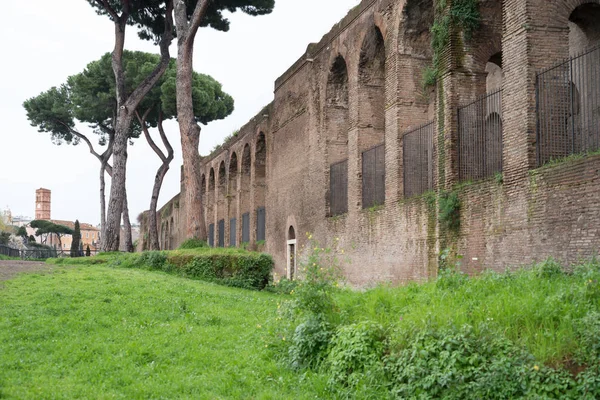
{"x":291,"y":253}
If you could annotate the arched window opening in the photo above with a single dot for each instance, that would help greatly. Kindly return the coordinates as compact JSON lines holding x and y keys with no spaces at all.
{"x":260,"y":165}
{"x":336,"y":124}
{"x":245,"y":183}
{"x":584,"y":28}
{"x":232,"y":199}
{"x":495,"y":75}
{"x":371,"y":118}
{"x":221,"y":203}
{"x":233,"y":174}
{"x":291,"y":253}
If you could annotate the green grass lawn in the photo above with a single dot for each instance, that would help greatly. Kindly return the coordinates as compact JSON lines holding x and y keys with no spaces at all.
{"x":111,"y":328}
{"x":97,"y":332}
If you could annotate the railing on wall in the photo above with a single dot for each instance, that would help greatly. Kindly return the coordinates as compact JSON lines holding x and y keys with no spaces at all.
{"x":373,"y":177}
{"x":480,"y":137}
{"x":261,"y":224}
{"x":418,"y":163}
{"x":568,"y":107}
{"x":338,"y":188}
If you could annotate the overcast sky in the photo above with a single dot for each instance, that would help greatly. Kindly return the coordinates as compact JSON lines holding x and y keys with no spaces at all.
{"x":49,"y":40}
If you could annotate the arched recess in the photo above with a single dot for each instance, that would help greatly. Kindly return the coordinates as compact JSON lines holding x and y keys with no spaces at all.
{"x":167,"y":236}
{"x":171,"y":234}
{"x":210,"y":207}
{"x":291,"y":253}
{"x":584,"y":28}
{"x":245,"y":203}
{"x":371,"y":117}
{"x":203,"y":195}
{"x":260,"y":185}
{"x":583,"y":122}
{"x":221,"y":204}
{"x":337,"y":120}
{"x":232,"y":193}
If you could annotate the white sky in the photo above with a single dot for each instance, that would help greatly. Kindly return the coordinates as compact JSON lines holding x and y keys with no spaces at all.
{"x":54,"y":39}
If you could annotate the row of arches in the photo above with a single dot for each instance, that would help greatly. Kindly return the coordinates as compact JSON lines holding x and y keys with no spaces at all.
{"x":234,"y":194}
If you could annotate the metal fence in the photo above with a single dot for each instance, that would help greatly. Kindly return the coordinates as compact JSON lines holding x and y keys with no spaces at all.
{"x":480,"y":137}
{"x":338,"y":188}
{"x":373,"y":176}
{"x":568,"y":107}
{"x":418,"y":163}
{"x":41,"y":253}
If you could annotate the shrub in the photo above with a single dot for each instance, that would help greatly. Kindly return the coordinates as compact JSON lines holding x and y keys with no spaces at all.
{"x":309,"y":343}
{"x":547,"y":269}
{"x":193,"y":243}
{"x":356,"y":349}
{"x":238,"y":269}
{"x":151,"y":259}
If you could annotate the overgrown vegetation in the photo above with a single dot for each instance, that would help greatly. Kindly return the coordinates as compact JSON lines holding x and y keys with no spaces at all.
{"x":461,"y":16}
{"x":530,"y":333}
{"x":449,"y":210}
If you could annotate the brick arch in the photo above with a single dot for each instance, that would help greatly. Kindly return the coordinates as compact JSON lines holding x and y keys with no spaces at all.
{"x":414,"y":27}
{"x":487,"y":40}
{"x":245,"y":202}
{"x":337,"y":124}
{"x":259,"y":169}
{"x":371,"y":117}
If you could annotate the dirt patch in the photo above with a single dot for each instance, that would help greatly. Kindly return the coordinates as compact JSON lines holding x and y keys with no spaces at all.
{"x":9,"y":269}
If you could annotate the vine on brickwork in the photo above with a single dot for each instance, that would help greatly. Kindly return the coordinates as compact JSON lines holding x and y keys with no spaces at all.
{"x":462,"y":15}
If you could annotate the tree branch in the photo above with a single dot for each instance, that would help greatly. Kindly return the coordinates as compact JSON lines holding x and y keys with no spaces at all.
{"x":111,"y":11}
{"x":142,"y":121}
{"x":163,"y":136}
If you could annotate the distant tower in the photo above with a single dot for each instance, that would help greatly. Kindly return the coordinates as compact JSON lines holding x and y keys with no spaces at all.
{"x":42,"y":204}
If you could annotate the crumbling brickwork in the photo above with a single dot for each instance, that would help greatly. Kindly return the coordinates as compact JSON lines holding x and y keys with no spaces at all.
{"x":300,"y":165}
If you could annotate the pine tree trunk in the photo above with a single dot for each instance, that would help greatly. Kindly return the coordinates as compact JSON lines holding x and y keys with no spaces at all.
{"x":111,"y":239}
{"x":127,"y":225}
{"x":153,"y":220}
{"x":188,"y":128}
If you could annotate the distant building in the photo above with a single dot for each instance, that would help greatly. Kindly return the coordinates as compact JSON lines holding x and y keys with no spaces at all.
{"x":90,"y":235}
{"x":42,"y":204}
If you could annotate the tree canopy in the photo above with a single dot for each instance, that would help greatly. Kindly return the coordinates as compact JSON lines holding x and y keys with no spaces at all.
{"x":44,"y":227}
{"x":89,"y":97}
{"x":149,"y":15}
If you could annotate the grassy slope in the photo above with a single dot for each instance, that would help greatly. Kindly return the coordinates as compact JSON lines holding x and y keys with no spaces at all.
{"x":536,"y":313}
{"x":104,"y":333}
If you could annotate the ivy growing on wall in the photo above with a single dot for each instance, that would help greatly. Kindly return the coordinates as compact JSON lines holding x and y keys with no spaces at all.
{"x":462,"y":15}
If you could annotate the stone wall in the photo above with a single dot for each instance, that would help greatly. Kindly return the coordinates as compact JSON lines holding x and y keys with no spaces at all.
{"x":360,"y":87}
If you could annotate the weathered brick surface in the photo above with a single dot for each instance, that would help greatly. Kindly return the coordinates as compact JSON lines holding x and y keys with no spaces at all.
{"x":361,"y":86}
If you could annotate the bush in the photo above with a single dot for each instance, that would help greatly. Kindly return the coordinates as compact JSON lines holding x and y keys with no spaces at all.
{"x":193,"y":243}
{"x":151,"y":259}
{"x":237,"y":269}
{"x":309,"y":343}
{"x":547,"y":269}
{"x":356,"y":349}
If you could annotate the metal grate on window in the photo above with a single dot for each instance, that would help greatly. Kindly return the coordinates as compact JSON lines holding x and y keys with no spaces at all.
{"x":246,"y":228}
{"x":568,"y":107}
{"x":373,"y":176}
{"x":480,"y":137}
{"x":338,"y":188}
{"x":232,"y":232}
{"x":418,"y":164}
{"x":260,"y":224}
{"x":222,"y":233}
{"x":211,"y":235}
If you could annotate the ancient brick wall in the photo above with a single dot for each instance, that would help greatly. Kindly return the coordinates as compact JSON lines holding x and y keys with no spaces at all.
{"x":305,"y":163}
